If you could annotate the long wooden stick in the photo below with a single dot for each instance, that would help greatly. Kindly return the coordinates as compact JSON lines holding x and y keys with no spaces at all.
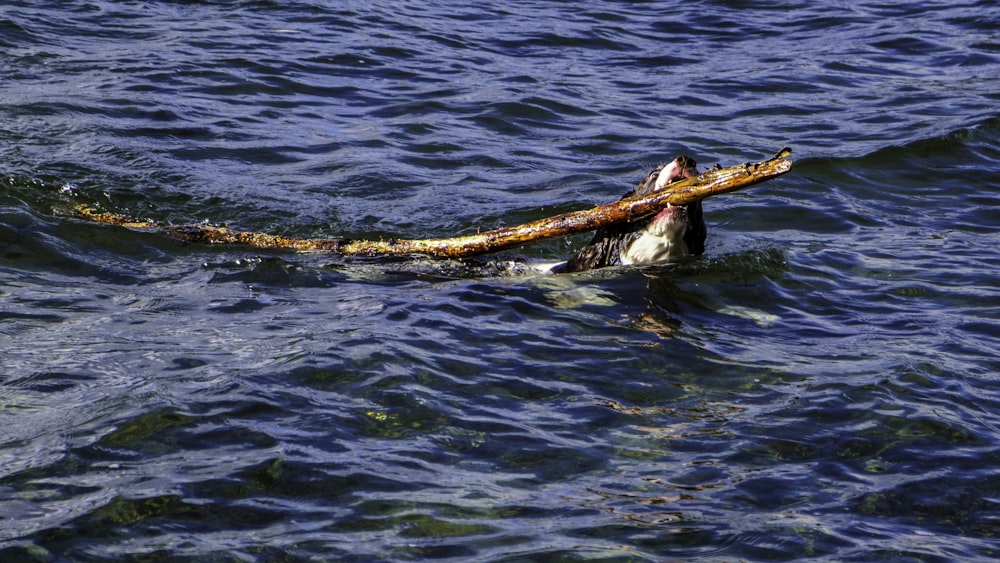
{"x":689,"y":190}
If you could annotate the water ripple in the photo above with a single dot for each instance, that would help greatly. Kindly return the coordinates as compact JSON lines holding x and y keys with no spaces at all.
{"x":819,"y":384}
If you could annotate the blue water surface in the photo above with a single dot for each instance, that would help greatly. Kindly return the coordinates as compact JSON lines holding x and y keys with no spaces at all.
{"x":821,"y":384}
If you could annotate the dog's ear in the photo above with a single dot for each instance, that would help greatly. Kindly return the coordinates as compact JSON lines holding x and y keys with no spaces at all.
{"x":647,"y":185}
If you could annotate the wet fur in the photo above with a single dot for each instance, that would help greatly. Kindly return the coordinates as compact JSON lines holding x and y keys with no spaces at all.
{"x":645,"y":241}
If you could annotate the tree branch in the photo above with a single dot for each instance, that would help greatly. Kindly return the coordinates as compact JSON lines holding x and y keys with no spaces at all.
{"x":714,"y":182}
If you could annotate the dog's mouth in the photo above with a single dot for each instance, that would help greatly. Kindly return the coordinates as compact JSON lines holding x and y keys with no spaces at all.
{"x":670,"y":222}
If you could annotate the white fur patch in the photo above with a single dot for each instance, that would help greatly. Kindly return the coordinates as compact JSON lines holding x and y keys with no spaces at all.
{"x":662,"y":240}
{"x":653,"y":248}
{"x":664,"y":177}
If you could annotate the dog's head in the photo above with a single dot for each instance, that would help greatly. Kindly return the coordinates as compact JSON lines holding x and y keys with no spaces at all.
{"x":661,"y":176}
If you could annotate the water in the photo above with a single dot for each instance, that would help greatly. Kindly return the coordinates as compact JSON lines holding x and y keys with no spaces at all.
{"x":821,"y":384}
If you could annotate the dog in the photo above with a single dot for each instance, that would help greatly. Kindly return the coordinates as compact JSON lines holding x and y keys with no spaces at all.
{"x":671,"y":234}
